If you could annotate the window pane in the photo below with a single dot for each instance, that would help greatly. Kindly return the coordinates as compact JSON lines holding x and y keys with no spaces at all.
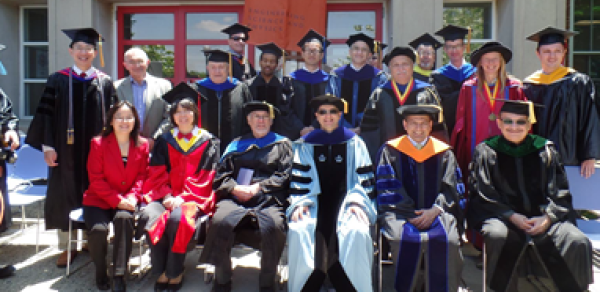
{"x":596,"y":26}
{"x":476,"y":15}
{"x":149,"y":26}
{"x":196,"y":61}
{"x":337,"y":55}
{"x":341,"y":24}
{"x":583,"y":24}
{"x":162,"y":60}
{"x":208,"y":25}
{"x":36,"y":62}
{"x":35,"y":21}
{"x":33,"y":94}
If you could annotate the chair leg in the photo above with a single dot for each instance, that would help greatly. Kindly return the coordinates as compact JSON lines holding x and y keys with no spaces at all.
{"x":37,"y":233}
{"x":69,"y":248}
{"x":22,"y":217}
{"x":379,"y":261}
{"x":484,"y":285}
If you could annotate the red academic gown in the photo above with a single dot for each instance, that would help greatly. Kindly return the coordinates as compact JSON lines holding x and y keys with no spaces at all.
{"x":183,"y":172}
{"x":473,"y":121}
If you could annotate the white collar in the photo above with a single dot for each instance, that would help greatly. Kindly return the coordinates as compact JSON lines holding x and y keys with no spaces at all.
{"x":417,"y":144}
{"x":306,"y":69}
{"x":195,"y":131}
{"x":235,"y":54}
{"x":462,"y":64}
{"x":357,"y":69}
{"x":89,"y":72}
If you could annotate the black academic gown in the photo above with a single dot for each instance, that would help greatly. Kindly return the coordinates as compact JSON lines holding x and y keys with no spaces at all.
{"x":381,"y":121}
{"x":241,"y":70}
{"x":222,"y":108}
{"x":528,"y":179}
{"x":68,"y":180}
{"x":306,"y":86}
{"x":448,"y":81}
{"x":570,"y":116}
{"x":8,"y":121}
{"x":277,"y":93}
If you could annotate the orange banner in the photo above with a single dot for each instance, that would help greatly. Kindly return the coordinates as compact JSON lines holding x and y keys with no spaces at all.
{"x":284,"y":22}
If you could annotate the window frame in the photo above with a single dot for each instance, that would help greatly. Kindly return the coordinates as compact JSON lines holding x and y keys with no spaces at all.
{"x":571,"y":44}
{"x":494,"y":15}
{"x":23,"y":80}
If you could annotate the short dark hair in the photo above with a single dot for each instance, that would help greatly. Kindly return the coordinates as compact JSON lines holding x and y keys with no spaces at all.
{"x":276,"y":59}
{"x":108,"y":128}
{"x":187,"y":104}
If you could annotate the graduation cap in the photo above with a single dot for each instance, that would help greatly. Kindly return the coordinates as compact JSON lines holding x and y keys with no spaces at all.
{"x":312,"y":36}
{"x":551,"y":35}
{"x":400,"y":51}
{"x":520,"y":107}
{"x":362,"y":37}
{"x":491,"y":47}
{"x":433,"y":111}
{"x":88,"y":36}
{"x":427,"y":40}
{"x":219,"y":56}
{"x":318,"y":101}
{"x":251,"y":106}
{"x":181,"y":91}
{"x":452,"y":32}
{"x":271,"y":48}
{"x":237,"y":28}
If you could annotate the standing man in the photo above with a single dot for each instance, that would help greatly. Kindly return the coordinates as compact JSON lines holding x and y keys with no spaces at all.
{"x":10,"y":125}
{"x":426,"y":46}
{"x":570,"y":117}
{"x":381,"y":121}
{"x":331,"y":210}
{"x":71,"y":112}
{"x":222,"y":98}
{"x":308,"y":83}
{"x":419,"y":203}
{"x":145,"y":92}
{"x":252,"y":188}
{"x":519,"y":197}
{"x":356,"y":81}
{"x":449,"y":78}
{"x":242,"y":68}
{"x":267,"y":87}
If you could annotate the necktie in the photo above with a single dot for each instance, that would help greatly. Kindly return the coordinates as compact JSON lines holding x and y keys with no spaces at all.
{"x":187,"y":136}
{"x":82,"y":75}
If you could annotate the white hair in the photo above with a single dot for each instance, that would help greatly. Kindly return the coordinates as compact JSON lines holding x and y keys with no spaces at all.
{"x":136,"y":52}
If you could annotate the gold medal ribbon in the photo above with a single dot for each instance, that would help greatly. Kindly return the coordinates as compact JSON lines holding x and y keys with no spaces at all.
{"x":490,"y":97}
{"x":402,"y":97}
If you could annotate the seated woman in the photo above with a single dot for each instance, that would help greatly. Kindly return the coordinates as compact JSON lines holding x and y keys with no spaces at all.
{"x":179,"y":187}
{"x":117,"y":166}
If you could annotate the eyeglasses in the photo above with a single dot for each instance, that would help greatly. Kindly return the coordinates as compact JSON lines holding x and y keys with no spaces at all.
{"x":313,"y":52}
{"x":260,"y":117}
{"x":83,"y":48}
{"x":360,"y":50}
{"x":519,"y":122}
{"x":331,"y":112}
{"x":183,"y":113}
{"x":238,"y":38}
{"x":125,"y":120}
{"x":135,"y":62}
{"x":454,"y":48}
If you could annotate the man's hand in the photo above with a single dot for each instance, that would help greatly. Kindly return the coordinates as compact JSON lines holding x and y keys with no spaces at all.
{"x":360,"y":213}
{"x":50,"y":157}
{"x":126,"y":204}
{"x":520,"y":221}
{"x":300,"y":213}
{"x":306,"y":130}
{"x":425,"y":218}
{"x":242,"y":193}
{"x":12,"y":137}
{"x":588,"y":168}
{"x":538,"y":225}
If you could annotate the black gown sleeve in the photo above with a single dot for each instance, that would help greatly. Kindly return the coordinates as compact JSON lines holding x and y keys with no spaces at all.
{"x":42,"y":127}
{"x":8,"y":119}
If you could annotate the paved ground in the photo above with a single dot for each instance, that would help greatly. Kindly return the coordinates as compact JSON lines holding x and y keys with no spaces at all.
{"x":37,"y":271}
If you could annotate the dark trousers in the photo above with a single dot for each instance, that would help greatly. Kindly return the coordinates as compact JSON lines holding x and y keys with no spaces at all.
{"x":163,"y":259}
{"x":97,"y":221}
{"x":7,"y":220}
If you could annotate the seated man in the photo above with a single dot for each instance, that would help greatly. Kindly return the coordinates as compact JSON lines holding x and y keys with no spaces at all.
{"x":418,"y":199}
{"x":252,"y":187}
{"x":331,"y":208}
{"x":520,"y":197}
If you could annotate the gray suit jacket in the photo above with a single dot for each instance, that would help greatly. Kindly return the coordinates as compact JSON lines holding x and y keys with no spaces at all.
{"x":156,"y":117}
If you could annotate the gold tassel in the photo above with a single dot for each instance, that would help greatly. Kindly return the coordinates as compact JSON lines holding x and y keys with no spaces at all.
{"x":469,"y":40}
{"x":531,"y":113}
{"x":101,"y":54}
{"x":345,"y":105}
{"x":271,"y":112}
{"x":283,"y":63}
{"x":230,"y":66}
{"x":440,"y":116}
{"x":70,"y":136}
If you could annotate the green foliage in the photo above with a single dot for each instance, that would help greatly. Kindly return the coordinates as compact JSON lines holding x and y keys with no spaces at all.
{"x":160,"y":53}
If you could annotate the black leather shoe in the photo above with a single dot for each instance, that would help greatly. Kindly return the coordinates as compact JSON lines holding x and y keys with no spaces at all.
{"x":175,"y":287}
{"x":160,"y":287}
{"x":6,"y":271}
{"x":103,"y":284}
{"x":118,"y":284}
{"x":221,"y":287}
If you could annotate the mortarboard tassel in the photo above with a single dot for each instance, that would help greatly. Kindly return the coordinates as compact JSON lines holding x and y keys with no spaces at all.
{"x":469,"y":40}
{"x":230,"y":67}
{"x":283,"y":63}
{"x":345,"y":105}
{"x":100,"y":48}
{"x":531,"y":113}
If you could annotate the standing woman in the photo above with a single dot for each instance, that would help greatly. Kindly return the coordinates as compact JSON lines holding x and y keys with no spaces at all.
{"x":116,"y":165}
{"x":477,"y":109}
{"x":179,"y":187}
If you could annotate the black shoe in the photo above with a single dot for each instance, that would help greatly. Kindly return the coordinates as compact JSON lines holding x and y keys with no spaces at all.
{"x":103,"y":284}
{"x":160,"y":287}
{"x":7,"y":271}
{"x":175,"y":287}
{"x":221,"y":287}
{"x":118,"y":284}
